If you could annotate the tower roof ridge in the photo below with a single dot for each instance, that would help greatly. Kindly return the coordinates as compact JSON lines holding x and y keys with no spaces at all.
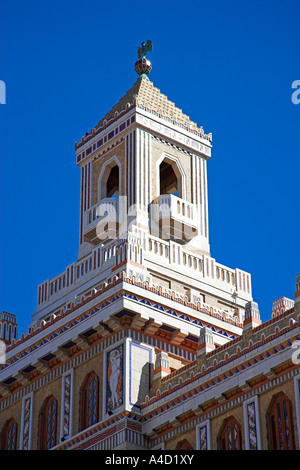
{"x":121,"y":104}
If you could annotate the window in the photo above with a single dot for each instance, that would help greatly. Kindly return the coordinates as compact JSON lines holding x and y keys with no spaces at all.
{"x":48,"y":424}
{"x":280,"y":421}
{"x":184,"y":445}
{"x":112,"y":184}
{"x":168,"y":179}
{"x":230,"y":435}
{"x":90,"y":401}
{"x":109,"y":183}
{"x":9,"y":436}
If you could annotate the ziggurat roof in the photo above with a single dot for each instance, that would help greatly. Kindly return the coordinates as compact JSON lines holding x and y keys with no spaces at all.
{"x":150,"y":97}
{"x":144,"y":94}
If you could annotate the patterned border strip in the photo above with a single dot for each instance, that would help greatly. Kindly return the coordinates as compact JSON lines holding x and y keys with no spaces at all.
{"x":102,"y":431}
{"x":175,"y":313}
{"x":238,"y":354}
{"x":251,"y":425}
{"x":103,"y":435}
{"x":223,"y":407}
{"x":84,"y":356}
{"x":105,"y":125}
{"x":125,"y":436}
{"x":206,"y":385}
{"x":6,"y":401}
{"x":85,"y":315}
{"x":104,"y":303}
{"x":26,"y":423}
{"x":136,"y":104}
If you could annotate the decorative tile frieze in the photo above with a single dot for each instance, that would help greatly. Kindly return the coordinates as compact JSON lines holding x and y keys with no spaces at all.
{"x":221,"y":408}
{"x":173,"y":134}
{"x":102,"y":431}
{"x":252,"y":424}
{"x":203,"y":438}
{"x":105,"y":303}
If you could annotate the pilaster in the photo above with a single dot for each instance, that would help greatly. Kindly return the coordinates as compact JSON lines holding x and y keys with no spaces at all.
{"x":252,"y":316}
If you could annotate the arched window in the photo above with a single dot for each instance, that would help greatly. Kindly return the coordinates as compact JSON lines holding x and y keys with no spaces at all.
{"x":230,"y":436}
{"x":9,"y":436}
{"x":167,"y":179}
{"x":170,"y":177}
{"x":184,"y":445}
{"x":90,"y":401}
{"x":109,"y":180}
{"x":112,"y":183}
{"x":48,"y":424}
{"x":280,"y":421}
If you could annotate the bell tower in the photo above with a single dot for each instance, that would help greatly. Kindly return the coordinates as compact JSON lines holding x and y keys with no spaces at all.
{"x":145,"y":341}
{"x":144,"y":208}
{"x":143,"y":166}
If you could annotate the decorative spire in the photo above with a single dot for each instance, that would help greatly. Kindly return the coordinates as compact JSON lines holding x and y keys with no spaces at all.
{"x":252,"y":315}
{"x":143,"y":66}
{"x":206,"y":341}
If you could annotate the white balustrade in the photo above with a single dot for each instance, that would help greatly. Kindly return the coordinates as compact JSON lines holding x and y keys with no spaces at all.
{"x":106,"y":207}
{"x":135,"y":246}
{"x":178,"y":208}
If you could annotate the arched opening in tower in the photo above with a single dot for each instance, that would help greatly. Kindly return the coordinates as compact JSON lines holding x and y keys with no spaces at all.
{"x":168,"y":179}
{"x":112,"y":184}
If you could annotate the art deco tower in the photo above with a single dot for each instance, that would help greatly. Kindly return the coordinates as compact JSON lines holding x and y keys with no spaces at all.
{"x":144,"y":207}
{"x":146,"y":335}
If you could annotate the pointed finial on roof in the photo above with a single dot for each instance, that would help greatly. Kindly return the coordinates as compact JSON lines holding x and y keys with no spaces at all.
{"x":143,"y":65}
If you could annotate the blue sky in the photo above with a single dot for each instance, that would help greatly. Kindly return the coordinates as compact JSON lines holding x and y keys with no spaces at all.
{"x":229,"y":66}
